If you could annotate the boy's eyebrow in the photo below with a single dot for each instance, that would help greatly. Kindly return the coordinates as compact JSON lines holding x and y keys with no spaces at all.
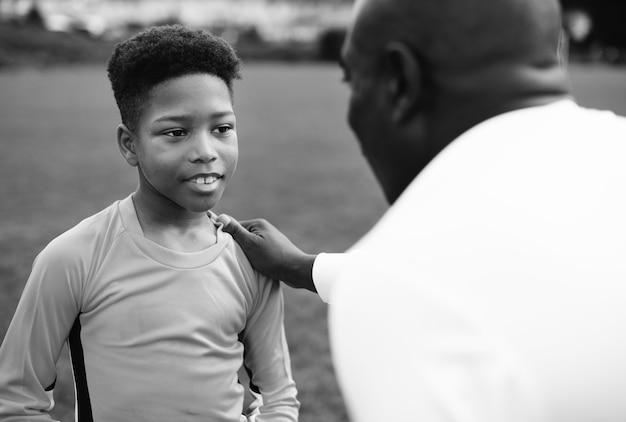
{"x":178,"y":117}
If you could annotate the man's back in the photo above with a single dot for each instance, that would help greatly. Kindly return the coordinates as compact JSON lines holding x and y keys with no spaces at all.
{"x":501,"y":269}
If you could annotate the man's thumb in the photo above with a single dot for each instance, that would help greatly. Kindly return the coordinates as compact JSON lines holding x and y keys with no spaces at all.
{"x":232,"y":227}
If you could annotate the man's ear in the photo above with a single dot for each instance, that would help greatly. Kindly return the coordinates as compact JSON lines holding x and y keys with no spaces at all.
{"x":126,"y":143}
{"x":404,"y":80}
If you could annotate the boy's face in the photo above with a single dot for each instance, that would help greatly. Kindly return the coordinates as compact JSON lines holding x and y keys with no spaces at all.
{"x":185,"y":145}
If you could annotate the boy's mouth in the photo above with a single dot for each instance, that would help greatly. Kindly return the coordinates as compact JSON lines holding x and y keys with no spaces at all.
{"x":205,"y":179}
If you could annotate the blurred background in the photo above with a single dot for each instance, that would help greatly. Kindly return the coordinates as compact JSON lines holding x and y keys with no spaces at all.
{"x":55,"y":30}
{"x":300,"y":167}
{"x":279,"y":29}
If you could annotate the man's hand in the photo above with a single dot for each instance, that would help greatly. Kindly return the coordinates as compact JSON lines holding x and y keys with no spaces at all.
{"x":271,"y":252}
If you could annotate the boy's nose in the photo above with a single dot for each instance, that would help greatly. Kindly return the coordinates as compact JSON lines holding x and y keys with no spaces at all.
{"x":203,"y":149}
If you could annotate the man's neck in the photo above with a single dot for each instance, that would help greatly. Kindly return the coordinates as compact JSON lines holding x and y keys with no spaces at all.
{"x":494,"y":91}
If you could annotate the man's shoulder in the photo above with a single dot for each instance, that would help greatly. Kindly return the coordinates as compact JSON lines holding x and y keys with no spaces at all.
{"x":604,"y":122}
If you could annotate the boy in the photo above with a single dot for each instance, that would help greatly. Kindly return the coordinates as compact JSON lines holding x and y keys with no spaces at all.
{"x":157,"y":303}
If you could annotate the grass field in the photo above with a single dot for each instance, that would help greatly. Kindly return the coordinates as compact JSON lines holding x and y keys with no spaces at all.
{"x":299,"y":167}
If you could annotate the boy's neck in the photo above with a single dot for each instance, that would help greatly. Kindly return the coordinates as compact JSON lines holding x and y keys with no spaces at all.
{"x":174,"y":227}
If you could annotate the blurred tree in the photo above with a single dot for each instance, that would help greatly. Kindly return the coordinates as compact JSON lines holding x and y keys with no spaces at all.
{"x":329,"y":44}
{"x":34,"y":17}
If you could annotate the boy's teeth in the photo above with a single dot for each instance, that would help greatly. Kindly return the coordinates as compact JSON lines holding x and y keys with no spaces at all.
{"x":204,"y":180}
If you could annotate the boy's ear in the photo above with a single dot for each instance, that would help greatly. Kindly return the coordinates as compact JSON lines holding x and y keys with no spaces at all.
{"x":126,"y":143}
{"x":404,"y":80}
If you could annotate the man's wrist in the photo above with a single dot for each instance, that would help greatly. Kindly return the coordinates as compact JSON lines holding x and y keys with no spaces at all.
{"x":300,"y":274}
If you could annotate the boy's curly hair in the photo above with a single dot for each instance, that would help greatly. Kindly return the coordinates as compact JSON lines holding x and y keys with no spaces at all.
{"x":163,"y":52}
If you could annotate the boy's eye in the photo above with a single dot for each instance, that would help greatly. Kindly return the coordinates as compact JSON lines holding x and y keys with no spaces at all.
{"x":224,"y":128}
{"x":175,"y":133}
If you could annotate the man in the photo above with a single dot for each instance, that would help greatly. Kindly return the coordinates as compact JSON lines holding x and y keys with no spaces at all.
{"x":493,"y":288}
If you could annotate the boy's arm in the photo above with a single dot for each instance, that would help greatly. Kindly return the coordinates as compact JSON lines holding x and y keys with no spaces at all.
{"x":33,"y":342}
{"x":266,"y":355}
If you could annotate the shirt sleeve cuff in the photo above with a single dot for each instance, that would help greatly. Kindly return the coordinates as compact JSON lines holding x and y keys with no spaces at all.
{"x":327,"y":268}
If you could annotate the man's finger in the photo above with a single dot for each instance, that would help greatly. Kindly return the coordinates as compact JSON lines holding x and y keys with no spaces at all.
{"x":225,"y":219}
{"x":232,"y":226}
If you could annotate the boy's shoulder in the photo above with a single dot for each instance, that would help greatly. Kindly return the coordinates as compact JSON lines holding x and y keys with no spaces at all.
{"x":87,"y":235}
{"x":253,"y":278}
{"x":234,"y":251}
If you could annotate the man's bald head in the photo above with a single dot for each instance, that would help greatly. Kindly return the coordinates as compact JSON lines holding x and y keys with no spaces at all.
{"x":463,"y":34}
{"x":422,"y":72}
